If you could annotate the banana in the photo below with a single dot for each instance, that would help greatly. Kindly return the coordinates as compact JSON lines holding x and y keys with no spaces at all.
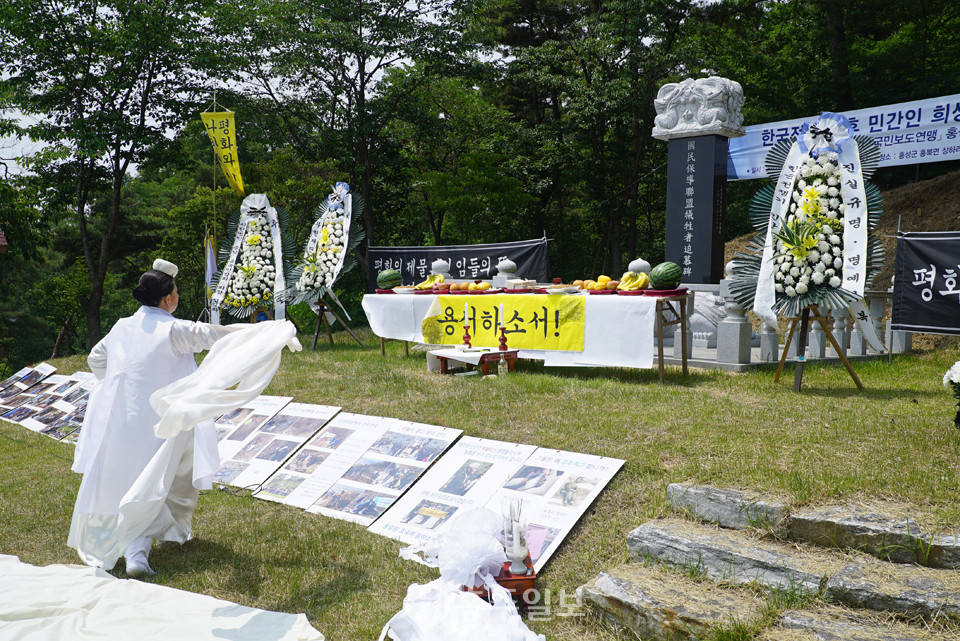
{"x":432,"y":279}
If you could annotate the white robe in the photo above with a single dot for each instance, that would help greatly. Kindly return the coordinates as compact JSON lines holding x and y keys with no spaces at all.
{"x":141,"y":354}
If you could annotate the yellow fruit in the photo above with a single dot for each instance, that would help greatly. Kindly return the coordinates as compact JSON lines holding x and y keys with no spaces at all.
{"x":483,"y":286}
{"x":603,"y":279}
{"x":643,"y":281}
{"x":472,"y":286}
{"x":578,"y":284}
{"x":588,"y":284}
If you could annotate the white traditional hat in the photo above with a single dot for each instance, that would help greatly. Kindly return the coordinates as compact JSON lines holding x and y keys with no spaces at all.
{"x":166,"y":267}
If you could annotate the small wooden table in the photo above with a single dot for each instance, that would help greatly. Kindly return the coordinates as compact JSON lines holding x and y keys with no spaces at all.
{"x":485,"y":358}
{"x":672,"y":310}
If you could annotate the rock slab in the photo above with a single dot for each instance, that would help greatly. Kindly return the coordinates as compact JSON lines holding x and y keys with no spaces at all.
{"x":729,"y":508}
{"x":907,"y":590}
{"x":897,"y":540}
{"x":732,"y":557}
{"x":654,"y":604}
{"x":836,"y":625}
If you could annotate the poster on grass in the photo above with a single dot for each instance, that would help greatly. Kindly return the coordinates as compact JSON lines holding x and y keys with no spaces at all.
{"x":236,"y":432}
{"x":30,"y":401}
{"x":31,"y":378}
{"x":74,"y":408}
{"x":554,"y":489}
{"x":467,"y":476}
{"x":276,"y":440}
{"x":49,"y":405}
{"x":323,"y":459}
{"x":370,"y":480}
{"x":7,"y":382}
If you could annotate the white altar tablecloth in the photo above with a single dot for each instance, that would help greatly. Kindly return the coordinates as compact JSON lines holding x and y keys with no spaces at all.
{"x":618,"y":332}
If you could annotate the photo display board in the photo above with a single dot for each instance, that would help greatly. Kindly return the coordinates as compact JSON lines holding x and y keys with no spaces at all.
{"x":7,"y":382}
{"x":467,"y":476}
{"x":239,"y":438}
{"x":8,"y":397}
{"x":74,"y":408}
{"x":400,"y":479}
{"x":556,"y":488}
{"x":276,"y":440}
{"x":367,"y":469}
{"x":48,"y":406}
{"x":26,"y":403}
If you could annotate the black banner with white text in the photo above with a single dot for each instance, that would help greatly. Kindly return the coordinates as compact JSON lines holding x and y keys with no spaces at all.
{"x":466,"y":261}
{"x":926,"y":292}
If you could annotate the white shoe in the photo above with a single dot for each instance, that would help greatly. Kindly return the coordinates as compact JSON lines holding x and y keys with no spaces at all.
{"x":138,"y":567}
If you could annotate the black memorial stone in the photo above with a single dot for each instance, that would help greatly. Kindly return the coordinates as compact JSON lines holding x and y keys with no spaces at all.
{"x":696,"y":207}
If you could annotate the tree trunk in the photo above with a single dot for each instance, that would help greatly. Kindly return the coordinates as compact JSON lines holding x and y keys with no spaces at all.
{"x":839,"y":55}
{"x":64,"y":329}
{"x":92,"y":309}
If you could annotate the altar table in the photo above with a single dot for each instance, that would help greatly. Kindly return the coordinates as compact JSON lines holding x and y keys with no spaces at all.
{"x":619,"y":330}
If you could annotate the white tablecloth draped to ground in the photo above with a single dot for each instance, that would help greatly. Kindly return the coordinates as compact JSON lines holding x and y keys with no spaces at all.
{"x":618,"y":329}
{"x":77,"y":602}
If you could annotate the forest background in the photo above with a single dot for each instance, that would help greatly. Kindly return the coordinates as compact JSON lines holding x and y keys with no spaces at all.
{"x":457,"y":121}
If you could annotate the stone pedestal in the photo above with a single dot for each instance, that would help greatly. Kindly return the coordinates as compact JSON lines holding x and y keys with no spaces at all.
{"x":858,"y":342}
{"x":817,"y":343}
{"x":898,"y":342}
{"x":734,"y":332}
{"x":840,"y":333}
{"x":769,"y":344}
{"x":878,"y":305}
{"x":792,"y":347}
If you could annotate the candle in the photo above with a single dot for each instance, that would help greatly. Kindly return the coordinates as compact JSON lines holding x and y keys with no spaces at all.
{"x":501,"y":314}
{"x":516,"y":538}
{"x":466,"y":314}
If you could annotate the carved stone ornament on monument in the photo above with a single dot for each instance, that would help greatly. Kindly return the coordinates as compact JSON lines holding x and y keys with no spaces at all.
{"x":702,"y":107}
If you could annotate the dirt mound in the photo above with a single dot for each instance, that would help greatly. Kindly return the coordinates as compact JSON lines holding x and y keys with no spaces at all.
{"x":927,"y":205}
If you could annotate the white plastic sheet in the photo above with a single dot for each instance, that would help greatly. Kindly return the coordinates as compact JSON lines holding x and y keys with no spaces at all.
{"x":83,"y":603}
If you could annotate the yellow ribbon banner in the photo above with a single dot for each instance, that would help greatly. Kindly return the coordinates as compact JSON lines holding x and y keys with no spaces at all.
{"x":223,"y":135}
{"x":553,"y":322}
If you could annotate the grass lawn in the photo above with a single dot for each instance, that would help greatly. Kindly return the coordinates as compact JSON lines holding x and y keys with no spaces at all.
{"x":893,"y":443}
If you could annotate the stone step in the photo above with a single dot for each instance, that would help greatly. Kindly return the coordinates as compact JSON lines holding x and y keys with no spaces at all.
{"x":655,"y":604}
{"x":734,"y":509}
{"x":665,"y":606}
{"x":890,"y":538}
{"x":740,"y":558}
{"x":835,"y":624}
{"x":893,"y":539}
{"x":731,"y":556}
{"x":908,"y":590}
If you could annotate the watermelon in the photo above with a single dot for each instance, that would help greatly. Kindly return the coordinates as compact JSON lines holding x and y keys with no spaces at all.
{"x":665,"y":276}
{"x":388,"y":279}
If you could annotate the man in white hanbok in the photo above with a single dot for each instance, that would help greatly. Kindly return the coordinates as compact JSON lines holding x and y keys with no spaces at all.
{"x":116,"y":514}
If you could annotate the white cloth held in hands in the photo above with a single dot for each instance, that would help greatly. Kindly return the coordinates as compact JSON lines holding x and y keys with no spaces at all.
{"x":247,"y":359}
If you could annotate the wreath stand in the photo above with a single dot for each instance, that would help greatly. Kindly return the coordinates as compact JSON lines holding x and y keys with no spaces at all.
{"x":322,"y":308}
{"x":808,"y":314}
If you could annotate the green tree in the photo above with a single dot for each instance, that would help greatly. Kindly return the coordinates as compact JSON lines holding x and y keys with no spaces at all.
{"x":459,"y":159}
{"x":320,"y":63}
{"x":105,"y":79}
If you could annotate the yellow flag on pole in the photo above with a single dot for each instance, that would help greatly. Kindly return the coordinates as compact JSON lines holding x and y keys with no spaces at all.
{"x":220,"y":128}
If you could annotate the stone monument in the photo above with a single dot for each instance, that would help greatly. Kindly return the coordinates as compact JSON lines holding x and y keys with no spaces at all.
{"x":696,"y":118}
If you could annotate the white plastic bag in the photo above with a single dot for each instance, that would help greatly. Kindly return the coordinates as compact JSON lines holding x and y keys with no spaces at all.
{"x":467,"y":551}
